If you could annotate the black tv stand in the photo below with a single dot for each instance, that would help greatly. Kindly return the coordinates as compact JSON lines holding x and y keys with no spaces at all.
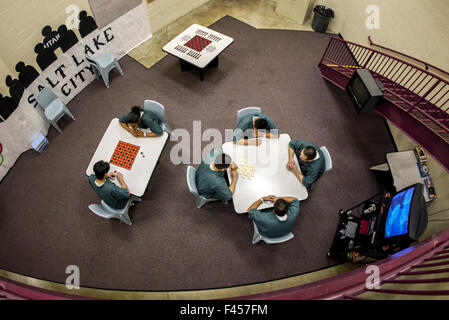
{"x":359,"y":234}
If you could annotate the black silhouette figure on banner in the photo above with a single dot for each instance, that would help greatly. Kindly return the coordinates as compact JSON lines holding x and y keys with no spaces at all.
{"x":7,"y":106}
{"x":16,"y":88}
{"x":68,"y":38}
{"x":45,"y":57}
{"x":27,"y":74}
{"x":87,"y":24}
{"x":51,"y":38}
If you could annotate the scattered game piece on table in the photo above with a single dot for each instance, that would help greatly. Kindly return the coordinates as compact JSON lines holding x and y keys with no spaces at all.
{"x":124,"y":155}
{"x":246,"y":170}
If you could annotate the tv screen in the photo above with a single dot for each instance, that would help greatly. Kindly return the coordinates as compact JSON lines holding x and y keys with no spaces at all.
{"x":360,"y":92}
{"x":399,"y":214}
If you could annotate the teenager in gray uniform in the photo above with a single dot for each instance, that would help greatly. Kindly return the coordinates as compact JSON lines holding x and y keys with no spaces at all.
{"x":134,"y":121}
{"x":311,"y":161}
{"x":279,"y":220}
{"x":249,"y":127}
{"x":114,"y":196}
{"x":210,"y":178}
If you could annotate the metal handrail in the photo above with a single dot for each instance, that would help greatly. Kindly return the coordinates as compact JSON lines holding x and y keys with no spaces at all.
{"x":426,"y":65}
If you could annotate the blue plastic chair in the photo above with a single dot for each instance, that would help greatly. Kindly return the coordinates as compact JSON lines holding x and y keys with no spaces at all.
{"x":105,"y":211}
{"x":327,"y":158}
{"x":159,"y":110}
{"x":242,"y":113}
{"x":103,"y":65}
{"x":54,"y":109}
{"x":257,"y":237}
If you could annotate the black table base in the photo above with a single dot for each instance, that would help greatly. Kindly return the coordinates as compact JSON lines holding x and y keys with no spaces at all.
{"x":186,"y":66}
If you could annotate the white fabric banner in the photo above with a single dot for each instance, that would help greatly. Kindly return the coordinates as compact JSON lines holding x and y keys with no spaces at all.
{"x":67,"y":77}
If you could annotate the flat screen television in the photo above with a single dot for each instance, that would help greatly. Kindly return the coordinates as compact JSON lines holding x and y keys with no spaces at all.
{"x":407,"y":215}
{"x":364,"y":91}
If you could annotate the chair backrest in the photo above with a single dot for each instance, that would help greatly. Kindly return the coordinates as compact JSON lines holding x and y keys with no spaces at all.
{"x":157,"y":108}
{"x":245,"y":112}
{"x":327,"y":157}
{"x":112,"y":210}
{"x":45,"y":98}
{"x":92,"y":60}
{"x":191,"y":181}
{"x":267,"y":240}
{"x":101,"y":211}
{"x":211,"y":157}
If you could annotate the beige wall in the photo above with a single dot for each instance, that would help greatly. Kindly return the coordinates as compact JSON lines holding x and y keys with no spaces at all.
{"x":164,"y":12}
{"x":419,"y":28}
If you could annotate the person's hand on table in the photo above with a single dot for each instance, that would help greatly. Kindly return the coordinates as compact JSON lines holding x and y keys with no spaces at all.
{"x":119,"y":175}
{"x":291,"y":165}
{"x":111,"y":175}
{"x":139,"y":134}
{"x":270,"y":198}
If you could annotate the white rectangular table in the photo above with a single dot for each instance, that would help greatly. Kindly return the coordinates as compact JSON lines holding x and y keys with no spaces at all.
{"x":198,"y":46}
{"x":404,"y":170}
{"x":138,"y":177}
{"x":271,"y":175}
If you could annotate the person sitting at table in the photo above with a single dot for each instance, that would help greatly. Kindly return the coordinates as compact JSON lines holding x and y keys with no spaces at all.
{"x":134,"y":121}
{"x":278,"y":221}
{"x":114,"y":196}
{"x":211,"y":181}
{"x":254,"y":126}
{"x":311,"y":161}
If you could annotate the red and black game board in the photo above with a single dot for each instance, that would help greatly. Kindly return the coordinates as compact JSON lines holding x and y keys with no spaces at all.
{"x":124,"y":155}
{"x":198,"y":43}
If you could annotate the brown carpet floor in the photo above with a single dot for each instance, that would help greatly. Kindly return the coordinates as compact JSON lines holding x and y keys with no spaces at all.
{"x":45,"y":224}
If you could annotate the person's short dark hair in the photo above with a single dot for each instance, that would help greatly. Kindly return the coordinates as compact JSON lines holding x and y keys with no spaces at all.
{"x":222,"y":161}
{"x":280,"y":207}
{"x":261,"y":124}
{"x":310,"y":153}
{"x":101,"y":168}
{"x":134,"y":115}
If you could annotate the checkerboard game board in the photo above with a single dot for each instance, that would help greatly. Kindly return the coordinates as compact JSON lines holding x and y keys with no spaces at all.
{"x":198,"y":43}
{"x":124,"y":155}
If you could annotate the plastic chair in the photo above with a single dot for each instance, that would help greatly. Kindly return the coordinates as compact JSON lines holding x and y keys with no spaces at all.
{"x":242,"y":113}
{"x":191,"y":183}
{"x":54,"y":109}
{"x":327,"y":158}
{"x":257,"y":237}
{"x":159,"y":110}
{"x":105,"y":211}
{"x":103,"y":65}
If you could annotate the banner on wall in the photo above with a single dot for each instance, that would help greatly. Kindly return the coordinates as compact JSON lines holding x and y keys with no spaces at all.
{"x":21,"y":120}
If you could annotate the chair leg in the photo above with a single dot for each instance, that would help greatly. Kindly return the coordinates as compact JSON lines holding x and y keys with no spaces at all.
{"x":200,"y":202}
{"x":54,"y":124}
{"x":105,"y":76}
{"x":67,"y":111}
{"x":126,"y":219}
{"x":117,"y":65}
{"x":256,"y":238}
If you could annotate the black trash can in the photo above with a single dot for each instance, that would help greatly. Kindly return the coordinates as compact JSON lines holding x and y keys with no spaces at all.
{"x":322,"y":17}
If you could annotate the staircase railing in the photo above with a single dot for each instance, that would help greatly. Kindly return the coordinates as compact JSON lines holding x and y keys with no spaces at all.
{"x":414,"y":95}
{"x":398,"y":276}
